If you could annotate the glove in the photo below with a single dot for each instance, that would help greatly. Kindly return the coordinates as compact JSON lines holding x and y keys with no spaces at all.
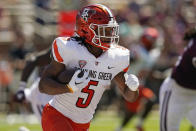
{"x":78,"y":78}
{"x":20,"y":96}
{"x":131,"y":81}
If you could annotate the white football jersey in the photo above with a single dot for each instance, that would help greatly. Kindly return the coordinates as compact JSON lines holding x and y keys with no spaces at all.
{"x":80,"y":106}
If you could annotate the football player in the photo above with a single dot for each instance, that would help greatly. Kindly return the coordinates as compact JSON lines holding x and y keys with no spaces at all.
{"x":94,"y":51}
{"x":132,"y":109}
{"x":38,"y":100}
{"x":178,"y":92}
{"x":142,"y":65}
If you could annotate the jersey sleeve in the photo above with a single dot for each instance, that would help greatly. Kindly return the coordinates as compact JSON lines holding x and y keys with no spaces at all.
{"x":126,"y":61}
{"x":60,"y":50}
{"x":122,"y":59}
{"x":126,"y":69}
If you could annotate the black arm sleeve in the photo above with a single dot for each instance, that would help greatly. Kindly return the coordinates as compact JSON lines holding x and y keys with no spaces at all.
{"x":40,"y":59}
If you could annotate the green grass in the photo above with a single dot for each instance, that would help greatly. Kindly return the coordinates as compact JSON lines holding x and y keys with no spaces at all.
{"x":104,"y":121}
{"x":13,"y":122}
{"x":109,"y":121}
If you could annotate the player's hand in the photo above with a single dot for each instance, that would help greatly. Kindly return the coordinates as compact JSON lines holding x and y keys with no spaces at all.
{"x":78,"y":78}
{"x":131,"y":81}
{"x":20,"y":96}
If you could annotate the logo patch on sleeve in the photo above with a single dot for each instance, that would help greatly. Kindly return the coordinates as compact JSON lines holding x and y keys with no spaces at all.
{"x":82,"y":63}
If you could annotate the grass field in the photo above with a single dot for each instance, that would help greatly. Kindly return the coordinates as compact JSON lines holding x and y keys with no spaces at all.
{"x":104,"y":121}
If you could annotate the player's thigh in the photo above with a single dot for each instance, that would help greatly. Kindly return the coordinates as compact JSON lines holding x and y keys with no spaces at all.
{"x":191,"y":116}
{"x":63,"y":125}
{"x":171,"y":109}
{"x":165,"y":87}
{"x":171,"y":113}
{"x":164,"y":110}
{"x":54,"y":121}
{"x":175,"y":112}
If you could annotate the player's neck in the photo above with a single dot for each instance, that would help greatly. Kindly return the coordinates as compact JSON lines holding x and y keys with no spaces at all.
{"x":94,"y":50}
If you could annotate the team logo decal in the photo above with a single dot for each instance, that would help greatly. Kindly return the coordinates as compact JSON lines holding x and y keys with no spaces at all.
{"x":82,"y":63}
{"x":85,"y":14}
{"x":194,"y":61}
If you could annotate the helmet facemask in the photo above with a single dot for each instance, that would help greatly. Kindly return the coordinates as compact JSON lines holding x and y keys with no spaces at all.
{"x":105,"y":34}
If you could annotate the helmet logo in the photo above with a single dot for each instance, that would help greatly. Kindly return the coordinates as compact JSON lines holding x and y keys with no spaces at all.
{"x":85,"y":14}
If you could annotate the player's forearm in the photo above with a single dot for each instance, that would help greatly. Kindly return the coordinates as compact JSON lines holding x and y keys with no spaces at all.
{"x":52,"y":87}
{"x":30,"y":66}
{"x":42,"y":59}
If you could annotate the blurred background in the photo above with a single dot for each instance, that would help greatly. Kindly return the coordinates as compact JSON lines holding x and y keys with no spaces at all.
{"x":152,"y":29}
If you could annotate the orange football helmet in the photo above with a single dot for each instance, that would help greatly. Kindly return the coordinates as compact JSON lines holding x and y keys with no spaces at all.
{"x":98,"y":26}
{"x":149,"y":37}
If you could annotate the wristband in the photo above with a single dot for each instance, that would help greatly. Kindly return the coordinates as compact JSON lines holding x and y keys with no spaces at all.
{"x":70,"y":89}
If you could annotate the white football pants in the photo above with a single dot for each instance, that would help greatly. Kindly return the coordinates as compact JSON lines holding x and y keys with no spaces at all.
{"x":176,"y":103}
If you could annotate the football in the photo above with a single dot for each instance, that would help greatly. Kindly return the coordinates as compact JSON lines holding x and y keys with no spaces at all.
{"x":65,"y":76}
